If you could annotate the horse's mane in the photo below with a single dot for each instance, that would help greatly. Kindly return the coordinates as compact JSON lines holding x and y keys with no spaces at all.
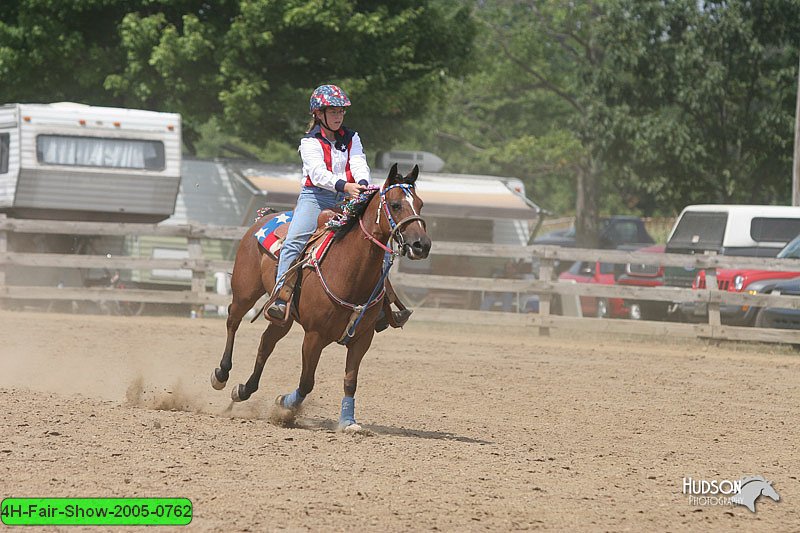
{"x":352,"y":210}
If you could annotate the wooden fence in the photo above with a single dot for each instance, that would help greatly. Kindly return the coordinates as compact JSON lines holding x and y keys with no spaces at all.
{"x":196,"y":294}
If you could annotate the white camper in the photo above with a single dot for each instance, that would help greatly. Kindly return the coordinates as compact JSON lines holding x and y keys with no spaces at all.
{"x":69,"y":161}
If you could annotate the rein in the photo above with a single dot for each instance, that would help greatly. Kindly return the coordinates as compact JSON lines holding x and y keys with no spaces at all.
{"x":368,"y":235}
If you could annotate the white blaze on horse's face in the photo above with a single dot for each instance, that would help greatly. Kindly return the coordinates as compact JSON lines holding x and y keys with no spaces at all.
{"x":417,"y":244}
{"x":410,"y":200}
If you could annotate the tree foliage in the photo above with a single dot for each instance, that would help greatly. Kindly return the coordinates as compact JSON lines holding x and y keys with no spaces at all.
{"x":523,"y":110}
{"x":644,"y":106}
{"x":250,"y":63}
{"x":695,"y":100}
{"x":612,"y":105}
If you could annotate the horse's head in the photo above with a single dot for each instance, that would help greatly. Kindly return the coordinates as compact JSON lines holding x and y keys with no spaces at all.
{"x":400,"y":211}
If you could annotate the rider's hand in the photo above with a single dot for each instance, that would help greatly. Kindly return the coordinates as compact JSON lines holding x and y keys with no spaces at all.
{"x":354,"y":189}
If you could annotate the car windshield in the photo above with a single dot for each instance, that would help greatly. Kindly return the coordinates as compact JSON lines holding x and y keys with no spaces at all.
{"x":791,"y":250}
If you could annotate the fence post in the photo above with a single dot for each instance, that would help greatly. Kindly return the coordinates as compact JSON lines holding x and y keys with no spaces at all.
{"x":545,"y":274}
{"x":713,"y":302}
{"x":198,"y":273}
{"x":3,"y":250}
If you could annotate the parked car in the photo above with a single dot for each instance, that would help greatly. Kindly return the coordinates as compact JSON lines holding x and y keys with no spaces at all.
{"x":779,"y":317}
{"x":600,"y":274}
{"x":644,"y":275}
{"x":615,"y":231}
{"x":620,"y":231}
{"x":747,"y":280}
{"x":737,"y":230}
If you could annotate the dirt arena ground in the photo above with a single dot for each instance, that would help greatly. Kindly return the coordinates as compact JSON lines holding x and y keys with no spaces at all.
{"x":468,"y":428}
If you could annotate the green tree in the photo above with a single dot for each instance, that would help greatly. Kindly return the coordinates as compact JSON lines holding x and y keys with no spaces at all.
{"x":695,"y":101}
{"x":522,"y":110}
{"x":251,"y":64}
{"x":52,"y":51}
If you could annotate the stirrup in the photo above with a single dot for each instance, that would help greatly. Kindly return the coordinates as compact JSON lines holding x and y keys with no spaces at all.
{"x":401,"y":317}
{"x":398,"y":319}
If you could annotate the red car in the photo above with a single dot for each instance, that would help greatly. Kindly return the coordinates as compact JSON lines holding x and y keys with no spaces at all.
{"x":602,"y":274}
{"x":747,"y":280}
{"x":642,"y":275}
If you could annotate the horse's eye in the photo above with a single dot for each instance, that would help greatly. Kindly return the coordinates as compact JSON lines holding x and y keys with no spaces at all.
{"x":395,"y":205}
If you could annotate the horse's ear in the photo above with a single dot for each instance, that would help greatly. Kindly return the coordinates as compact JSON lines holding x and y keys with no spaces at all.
{"x":411,"y":177}
{"x":393,"y":176}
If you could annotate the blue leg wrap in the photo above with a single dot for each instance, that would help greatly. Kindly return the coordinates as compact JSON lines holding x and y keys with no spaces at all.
{"x":348,"y":416}
{"x":293,"y":400}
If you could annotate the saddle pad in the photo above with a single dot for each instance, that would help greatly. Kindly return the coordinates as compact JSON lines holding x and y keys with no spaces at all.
{"x":318,"y":252}
{"x":272,"y":233}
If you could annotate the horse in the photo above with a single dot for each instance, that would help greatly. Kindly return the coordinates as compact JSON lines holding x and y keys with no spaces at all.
{"x":752,"y":488}
{"x":352,"y":271}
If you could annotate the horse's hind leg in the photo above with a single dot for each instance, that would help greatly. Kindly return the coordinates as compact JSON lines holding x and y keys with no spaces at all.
{"x":269,"y":339}
{"x":236,"y":311}
{"x":312,"y":349}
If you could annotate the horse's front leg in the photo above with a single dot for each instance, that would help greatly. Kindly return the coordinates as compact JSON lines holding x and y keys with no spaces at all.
{"x":355,"y":352}
{"x":236,"y":311}
{"x":312,"y":349}
{"x":269,"y":339}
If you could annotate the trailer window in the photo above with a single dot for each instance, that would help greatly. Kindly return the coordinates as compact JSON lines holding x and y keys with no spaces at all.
{"x":5,"y":140}
{"x":100,"y":152}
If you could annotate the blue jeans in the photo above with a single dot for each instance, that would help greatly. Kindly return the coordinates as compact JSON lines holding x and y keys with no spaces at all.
{"x":310,"y":203}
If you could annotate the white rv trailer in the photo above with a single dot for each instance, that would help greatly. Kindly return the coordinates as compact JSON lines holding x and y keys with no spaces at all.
{"x":68,"y":161}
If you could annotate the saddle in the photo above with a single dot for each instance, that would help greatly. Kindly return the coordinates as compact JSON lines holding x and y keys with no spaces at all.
{"x":316,"y":248}
{"x":273,"y":233}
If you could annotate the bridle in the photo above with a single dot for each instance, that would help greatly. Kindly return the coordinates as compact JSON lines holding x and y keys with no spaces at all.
{"x":395,"y":227}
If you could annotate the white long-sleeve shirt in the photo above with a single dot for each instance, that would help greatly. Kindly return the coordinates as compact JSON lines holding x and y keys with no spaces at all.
{"x":329,"y":167}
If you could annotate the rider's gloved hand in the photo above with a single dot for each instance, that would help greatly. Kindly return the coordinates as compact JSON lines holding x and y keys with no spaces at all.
{"x":354,"y":189}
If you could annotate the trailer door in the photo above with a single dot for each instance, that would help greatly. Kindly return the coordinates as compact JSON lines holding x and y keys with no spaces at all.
{"x":9,"y":155}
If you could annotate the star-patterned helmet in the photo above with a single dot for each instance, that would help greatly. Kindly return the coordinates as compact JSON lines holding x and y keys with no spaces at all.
{"x":328,"y":96}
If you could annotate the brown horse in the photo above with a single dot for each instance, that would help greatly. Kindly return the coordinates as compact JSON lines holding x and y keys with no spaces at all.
{"x":351,"y":272}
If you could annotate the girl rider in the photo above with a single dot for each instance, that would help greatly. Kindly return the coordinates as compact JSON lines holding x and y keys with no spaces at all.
{"x":334,"y":166}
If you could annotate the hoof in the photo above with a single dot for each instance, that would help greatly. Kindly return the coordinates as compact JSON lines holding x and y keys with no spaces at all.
{"x":216,"y":383}
{"x":349,"y":427}
{"x":239,"y":394}
{"x":280,"y":402}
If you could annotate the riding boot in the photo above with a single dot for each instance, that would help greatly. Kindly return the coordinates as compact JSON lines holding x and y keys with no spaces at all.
{"x":280,"y":299}
{"x":277,"y":310}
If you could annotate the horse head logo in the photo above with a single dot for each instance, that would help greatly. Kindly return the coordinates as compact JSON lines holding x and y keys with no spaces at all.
{"x":752,"y":488}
